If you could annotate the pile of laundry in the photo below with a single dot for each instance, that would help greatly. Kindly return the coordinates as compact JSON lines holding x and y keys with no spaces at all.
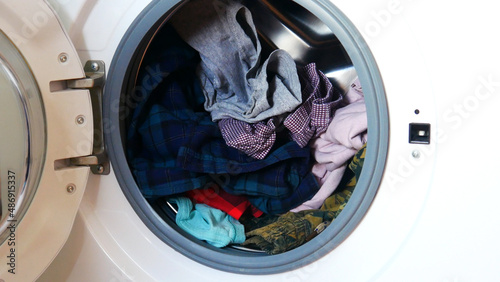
{"x":253,"y":151}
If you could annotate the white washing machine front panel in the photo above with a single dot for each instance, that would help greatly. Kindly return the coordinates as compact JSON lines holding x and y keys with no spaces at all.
{"x":433,"y":218}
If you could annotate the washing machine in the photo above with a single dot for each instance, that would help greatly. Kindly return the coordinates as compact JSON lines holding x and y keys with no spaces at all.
{"x":425,"y":205}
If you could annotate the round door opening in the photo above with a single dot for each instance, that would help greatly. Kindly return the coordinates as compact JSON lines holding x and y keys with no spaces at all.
{"x":252,"y":135}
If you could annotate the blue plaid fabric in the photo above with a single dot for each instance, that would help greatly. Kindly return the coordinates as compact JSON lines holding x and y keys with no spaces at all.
{"x":173,"y":146}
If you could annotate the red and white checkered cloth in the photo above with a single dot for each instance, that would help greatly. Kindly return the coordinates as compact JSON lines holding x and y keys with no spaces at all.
{"x":314,"y":115}
{"x":308,"y":121}
{"x":254,"y":139}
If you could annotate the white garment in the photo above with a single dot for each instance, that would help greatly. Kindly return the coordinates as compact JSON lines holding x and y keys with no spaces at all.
{"x":345,"y":135}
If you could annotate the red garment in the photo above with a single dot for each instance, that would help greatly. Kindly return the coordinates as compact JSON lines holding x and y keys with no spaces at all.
{"x":217,"y":198}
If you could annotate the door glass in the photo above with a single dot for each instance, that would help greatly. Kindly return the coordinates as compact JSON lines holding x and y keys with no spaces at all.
{"x":22,"y":136}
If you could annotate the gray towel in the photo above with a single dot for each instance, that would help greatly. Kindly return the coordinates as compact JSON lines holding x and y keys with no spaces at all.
{"x":235,"y":84}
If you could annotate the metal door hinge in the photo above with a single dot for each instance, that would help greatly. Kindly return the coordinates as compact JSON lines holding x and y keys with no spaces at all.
{"x":94,"y":82}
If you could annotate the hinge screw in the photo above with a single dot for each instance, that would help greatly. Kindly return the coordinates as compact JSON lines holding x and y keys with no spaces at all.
{"x":94,"y":66}
{"x":100,"y":169}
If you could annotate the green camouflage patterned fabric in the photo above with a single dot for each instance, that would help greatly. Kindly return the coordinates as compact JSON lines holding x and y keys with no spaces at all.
{"x":276,"y":234}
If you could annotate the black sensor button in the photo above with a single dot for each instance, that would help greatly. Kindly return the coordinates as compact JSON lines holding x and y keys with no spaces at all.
{"x":420,"y":133}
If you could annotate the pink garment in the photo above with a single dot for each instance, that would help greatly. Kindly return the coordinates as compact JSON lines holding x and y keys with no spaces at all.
{"x":345,"y":135}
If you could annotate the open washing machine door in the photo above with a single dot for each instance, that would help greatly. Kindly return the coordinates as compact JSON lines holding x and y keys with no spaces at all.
{"x":46,"y":138}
